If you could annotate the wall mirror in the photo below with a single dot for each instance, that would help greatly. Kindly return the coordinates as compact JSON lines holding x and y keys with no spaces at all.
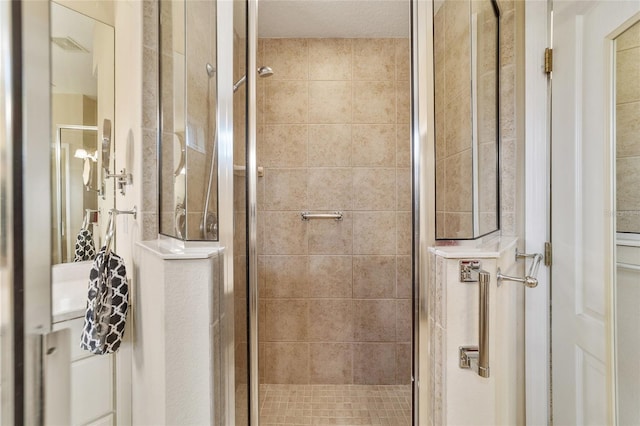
{"x":627,"y":288}
{"x":82,"y":86}
{"x":188,"y":171}
{"x":467,"y":137}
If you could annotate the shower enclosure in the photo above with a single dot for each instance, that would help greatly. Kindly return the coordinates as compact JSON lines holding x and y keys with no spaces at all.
{"x":329,"y":226}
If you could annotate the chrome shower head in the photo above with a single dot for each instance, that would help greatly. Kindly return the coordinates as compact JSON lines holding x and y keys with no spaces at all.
{"x":265,"y":72}
{"x":211,"y":71}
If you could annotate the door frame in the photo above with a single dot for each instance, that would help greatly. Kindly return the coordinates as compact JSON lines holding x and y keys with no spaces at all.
{"x":538,"y":21}
{"x":423,"y":196}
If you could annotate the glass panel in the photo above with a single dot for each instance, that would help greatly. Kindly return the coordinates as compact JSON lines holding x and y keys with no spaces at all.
{"x":6,"y":219}
{"x":485,"y":42}
{"x":188,"y":91}
{"x":627,"y":135}
{"x":466,"y":117}
{"x":240,"y":284}
{"x":75,"y":176}
{"x":333,"y":140}
{"x":82,"y":98}
{"x":627,"y":288}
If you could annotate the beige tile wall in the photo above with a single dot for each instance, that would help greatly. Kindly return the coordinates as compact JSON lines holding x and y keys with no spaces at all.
{"x":486,"y":82}
{"x":454,"y":178}
{"x":453,"y":126}
{"x":333,"y":134}
{"x":628,"y":130}
{"x":511,"y":118}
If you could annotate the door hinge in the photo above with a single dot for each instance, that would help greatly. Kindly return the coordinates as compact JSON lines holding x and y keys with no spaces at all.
{"x":548,"y":60}
{"x":548,"y":253}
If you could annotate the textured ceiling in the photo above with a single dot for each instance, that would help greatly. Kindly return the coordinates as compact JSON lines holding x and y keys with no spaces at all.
{"x":334,"y":18}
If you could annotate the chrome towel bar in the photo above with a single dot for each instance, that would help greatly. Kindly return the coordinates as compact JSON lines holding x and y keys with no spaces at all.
{"x":111,"y":226}
{"x":470,"y":272}
{"x":309,"y":215}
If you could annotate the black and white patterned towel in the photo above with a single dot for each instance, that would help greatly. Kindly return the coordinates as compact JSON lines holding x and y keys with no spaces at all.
{"x":85,"y":249}
{"x":107,"y":305}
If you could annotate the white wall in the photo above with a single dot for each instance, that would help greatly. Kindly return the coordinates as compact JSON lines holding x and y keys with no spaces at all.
{"x":128,"y":153}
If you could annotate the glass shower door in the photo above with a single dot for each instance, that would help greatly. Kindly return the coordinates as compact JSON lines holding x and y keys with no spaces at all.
{"x":7,"y":260}
{"x":241,"y":276}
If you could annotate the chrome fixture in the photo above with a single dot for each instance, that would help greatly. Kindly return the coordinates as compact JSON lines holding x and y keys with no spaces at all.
{"x":106,"y":144}
{"x":530,"y":280}
{"x":206,"y":229}
{"x":209,"y":222}
{"x":211,"y":71}
{"x":263,"y":72}
{"x":111,"y":227}
{"x":123,"y":178}
{"x":470,"y":272}
{"x":210,"y":226}
{"x":242,"y":170}
{"x":90,"y":216}
{"x":181,"y":221}
{"x":309,"y":215}
{"x":181,"y":164}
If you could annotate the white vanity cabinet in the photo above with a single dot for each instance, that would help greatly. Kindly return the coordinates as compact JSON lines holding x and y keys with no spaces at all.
{"x":92,"y":380}
{"x":80,"y":387}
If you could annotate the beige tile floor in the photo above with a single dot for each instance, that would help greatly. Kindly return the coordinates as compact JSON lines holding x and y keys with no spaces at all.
{"x":335,"y":405}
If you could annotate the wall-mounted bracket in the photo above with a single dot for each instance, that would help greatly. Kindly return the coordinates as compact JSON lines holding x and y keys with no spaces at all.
{"x":467,"y":353}
{"x":100,"y":192}
{"x":123,"y":178}
{"x":469,"y":270}
{"x":530,"y":280}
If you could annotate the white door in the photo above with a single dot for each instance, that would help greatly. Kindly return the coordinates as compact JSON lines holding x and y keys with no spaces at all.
{"x":582,"y":208}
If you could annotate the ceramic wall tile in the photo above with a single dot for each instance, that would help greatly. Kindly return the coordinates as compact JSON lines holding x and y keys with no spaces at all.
{"x":330,"y":59}
{"x":334,"y":139}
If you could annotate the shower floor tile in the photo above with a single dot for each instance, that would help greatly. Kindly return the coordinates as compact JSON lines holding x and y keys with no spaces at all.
{"x":335,"y":405}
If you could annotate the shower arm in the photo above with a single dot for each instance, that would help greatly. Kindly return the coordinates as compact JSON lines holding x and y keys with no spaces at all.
{"x":263,"y":72}
{"x":239,"y":83}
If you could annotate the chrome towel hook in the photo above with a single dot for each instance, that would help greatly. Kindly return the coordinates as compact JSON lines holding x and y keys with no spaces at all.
{"x":530,"y":280}
{"x":111,"y":227}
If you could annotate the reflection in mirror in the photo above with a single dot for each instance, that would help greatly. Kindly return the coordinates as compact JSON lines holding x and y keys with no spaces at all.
{"x":82,"y":59}
{"x":74,"y":174}
{"x":188,"y":141}
{"x":466,"y":52}
{"x":627,"y":285}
